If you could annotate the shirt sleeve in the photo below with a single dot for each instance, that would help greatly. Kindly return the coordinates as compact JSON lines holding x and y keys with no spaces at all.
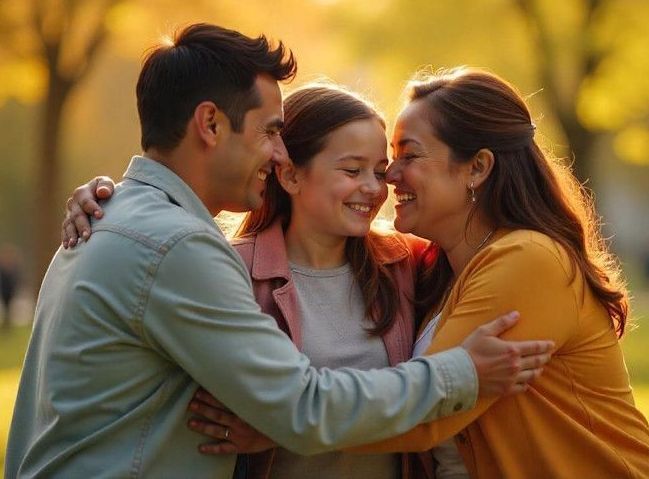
{"x":531,"y":277}
{"x":201,"y":314}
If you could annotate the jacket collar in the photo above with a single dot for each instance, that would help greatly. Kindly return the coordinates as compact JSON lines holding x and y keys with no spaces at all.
{"x":271,"y":260}
{"x":390,"y":248}
{"x":151,"y":172}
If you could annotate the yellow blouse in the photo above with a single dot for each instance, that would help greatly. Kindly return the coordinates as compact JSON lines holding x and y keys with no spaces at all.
{"x":578,"y":420}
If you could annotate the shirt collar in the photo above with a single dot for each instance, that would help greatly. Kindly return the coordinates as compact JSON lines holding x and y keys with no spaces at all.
{"x":270,"y":258}
{"x":146,"y":170}
{"x":271,"y":261}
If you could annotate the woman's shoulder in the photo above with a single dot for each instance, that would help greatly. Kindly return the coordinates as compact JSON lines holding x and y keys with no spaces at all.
{"x":529,"y":242}
{"x":526,"y":249}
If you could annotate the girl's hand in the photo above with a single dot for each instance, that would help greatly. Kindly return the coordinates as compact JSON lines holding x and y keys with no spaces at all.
{"x":81,"y":205}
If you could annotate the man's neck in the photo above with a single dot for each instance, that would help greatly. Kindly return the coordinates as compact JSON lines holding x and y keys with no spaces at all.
{"x":184,"y":164}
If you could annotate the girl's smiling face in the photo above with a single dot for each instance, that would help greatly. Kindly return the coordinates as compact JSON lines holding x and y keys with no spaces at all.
{"x":340,"y":190}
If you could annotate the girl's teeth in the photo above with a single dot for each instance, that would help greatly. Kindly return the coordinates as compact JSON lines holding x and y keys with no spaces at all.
{"x":363,"y":208}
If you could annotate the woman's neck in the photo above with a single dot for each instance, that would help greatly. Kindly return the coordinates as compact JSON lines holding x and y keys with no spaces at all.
{"x":466,"y":243}
{"x":308,"y":248}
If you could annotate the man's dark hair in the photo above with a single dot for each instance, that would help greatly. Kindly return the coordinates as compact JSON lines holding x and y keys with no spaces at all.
{"x":204,"y":63}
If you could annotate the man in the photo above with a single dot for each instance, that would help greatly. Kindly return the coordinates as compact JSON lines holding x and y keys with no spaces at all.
{"x":129,"y":324}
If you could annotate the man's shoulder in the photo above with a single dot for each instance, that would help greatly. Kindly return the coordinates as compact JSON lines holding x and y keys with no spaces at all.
{"x":147,"y":215}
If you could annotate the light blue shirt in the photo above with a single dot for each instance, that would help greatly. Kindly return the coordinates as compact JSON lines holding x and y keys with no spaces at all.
{"x":157,"y":302}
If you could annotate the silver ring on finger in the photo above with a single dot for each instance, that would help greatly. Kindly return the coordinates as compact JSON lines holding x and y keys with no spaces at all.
{"x":226,"y":435}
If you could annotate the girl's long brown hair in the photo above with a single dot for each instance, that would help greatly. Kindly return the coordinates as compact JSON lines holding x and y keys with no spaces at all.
{"x":472,"y":109}
{"x":311,"y":113}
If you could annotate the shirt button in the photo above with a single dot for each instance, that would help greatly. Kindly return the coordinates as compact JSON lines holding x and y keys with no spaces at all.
{"x":458,"y":406}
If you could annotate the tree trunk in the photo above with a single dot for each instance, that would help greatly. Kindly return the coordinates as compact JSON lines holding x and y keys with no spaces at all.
{"x":562,"y":98}
{"x":581,"y":144}
{"x":48,"y":204}
{"x":48,"y":207}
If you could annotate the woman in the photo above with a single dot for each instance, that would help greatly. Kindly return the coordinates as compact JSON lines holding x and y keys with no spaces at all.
{"x":514,"y":228}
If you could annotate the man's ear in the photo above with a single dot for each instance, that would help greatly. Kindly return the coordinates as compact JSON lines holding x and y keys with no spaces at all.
{"x":288,"y":177}
{"x":210,"y":122}
{"x":481,"y":166}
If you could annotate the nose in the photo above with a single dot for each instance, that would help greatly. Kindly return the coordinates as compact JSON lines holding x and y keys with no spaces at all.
{"x":372,"y":186}
{"x":280,"y":153}
{"x":393,"y":173}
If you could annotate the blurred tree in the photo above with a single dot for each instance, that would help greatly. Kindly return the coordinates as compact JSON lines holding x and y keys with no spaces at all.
{"x":582,"y":62}
{"x":60,"y":38}
{"x":370,"y":45}
{"x":563,"y":80}
{"x":48,"y":47}
{"x":588,"y":59}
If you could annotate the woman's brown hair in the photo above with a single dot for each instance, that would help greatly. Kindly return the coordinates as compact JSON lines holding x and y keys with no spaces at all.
{"x":471,"y":110}
{"x":311,"y":113}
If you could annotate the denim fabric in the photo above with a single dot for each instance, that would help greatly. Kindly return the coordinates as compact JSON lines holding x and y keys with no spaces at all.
{"x":128,"y":324}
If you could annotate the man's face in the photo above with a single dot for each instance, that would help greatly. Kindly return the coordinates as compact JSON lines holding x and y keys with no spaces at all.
{"x":248,"y":157}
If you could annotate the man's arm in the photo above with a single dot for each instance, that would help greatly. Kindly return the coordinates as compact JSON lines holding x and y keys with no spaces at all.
{"x":201,"y":313}
{"x":449,"y":377}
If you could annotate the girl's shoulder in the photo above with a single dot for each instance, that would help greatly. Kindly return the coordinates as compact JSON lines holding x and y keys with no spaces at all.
{"x":392,"y":246}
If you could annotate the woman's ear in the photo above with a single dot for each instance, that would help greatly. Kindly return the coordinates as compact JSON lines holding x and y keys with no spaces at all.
{"x":288,"y":177}
{"x":481,"y":166}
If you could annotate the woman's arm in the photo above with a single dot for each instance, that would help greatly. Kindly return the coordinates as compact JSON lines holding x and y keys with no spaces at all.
{"x":531,"y":276}
{"x":230,"y":434}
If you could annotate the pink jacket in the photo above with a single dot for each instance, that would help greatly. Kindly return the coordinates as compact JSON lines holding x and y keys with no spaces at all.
{"x":265,"y":256}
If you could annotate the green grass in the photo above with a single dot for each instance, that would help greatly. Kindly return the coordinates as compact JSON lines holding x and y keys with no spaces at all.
{"x":12,"y":346}
{"x":14,"y":342}
{"x":635,"y":343}
{"x":12,"y":351}
{"x":641,"y":395}
{"x":8,"y":389}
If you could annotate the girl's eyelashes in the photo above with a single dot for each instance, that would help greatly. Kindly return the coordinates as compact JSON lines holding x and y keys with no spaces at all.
{"x":356,"y":171}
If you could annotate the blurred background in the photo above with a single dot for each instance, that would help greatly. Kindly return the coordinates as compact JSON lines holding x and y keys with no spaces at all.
{"x":67,"y":106}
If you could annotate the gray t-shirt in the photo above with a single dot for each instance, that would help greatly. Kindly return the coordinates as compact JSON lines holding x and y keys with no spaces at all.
{"x":334,"y":335}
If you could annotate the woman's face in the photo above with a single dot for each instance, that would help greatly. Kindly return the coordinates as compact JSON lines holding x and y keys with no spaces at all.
{"x":430,"y":189}
{"x":342,"y":188}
